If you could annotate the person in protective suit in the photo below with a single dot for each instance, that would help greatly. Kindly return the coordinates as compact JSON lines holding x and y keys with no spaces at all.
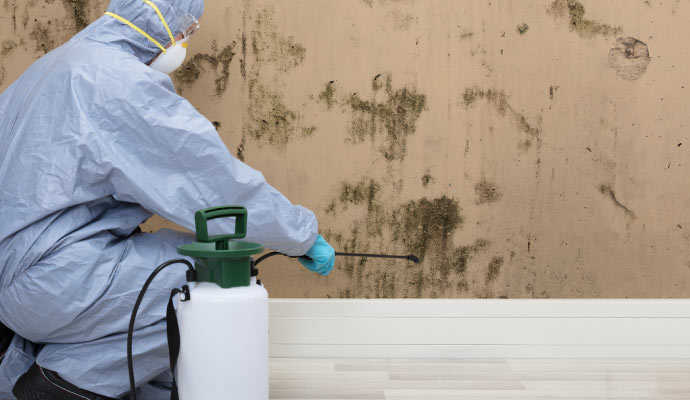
{"x":94,"y":141}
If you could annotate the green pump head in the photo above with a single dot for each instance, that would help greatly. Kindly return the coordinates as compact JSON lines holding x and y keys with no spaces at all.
{"x":218,"y":258}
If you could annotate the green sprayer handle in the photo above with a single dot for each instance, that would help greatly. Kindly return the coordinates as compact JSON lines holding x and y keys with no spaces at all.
{"x":202,"y":217}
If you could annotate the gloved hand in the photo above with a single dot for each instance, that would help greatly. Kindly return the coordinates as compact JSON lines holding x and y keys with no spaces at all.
{"x":320,"y":258}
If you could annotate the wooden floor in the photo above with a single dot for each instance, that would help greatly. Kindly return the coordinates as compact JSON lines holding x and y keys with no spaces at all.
{"x":480,"y":379}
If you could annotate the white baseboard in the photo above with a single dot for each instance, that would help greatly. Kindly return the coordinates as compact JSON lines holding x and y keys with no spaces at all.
{"x":480,"y":328}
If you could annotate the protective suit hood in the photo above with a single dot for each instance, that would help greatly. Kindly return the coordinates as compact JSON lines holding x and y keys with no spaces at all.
{"x":111,"y":31}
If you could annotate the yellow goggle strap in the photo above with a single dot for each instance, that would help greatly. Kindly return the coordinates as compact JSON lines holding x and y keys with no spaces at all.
{"x":141,"y":31}
{"x":167,"y":28}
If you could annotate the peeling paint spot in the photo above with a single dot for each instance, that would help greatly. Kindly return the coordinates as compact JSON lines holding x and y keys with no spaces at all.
{"x":327,"y":94}
{"x":270,"y":46}
{"x":219,"y":62}
{"x":522,"y":28}
{"x":608,"y":191}
{"x":486,"y":192}
{"x":499,"y":101}
{"x":630,"y":58}
{"x":395,"y":117}
{"x":576,"y":17}
{"x":494,"y":269}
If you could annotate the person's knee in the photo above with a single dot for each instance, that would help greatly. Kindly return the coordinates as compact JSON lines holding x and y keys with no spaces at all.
{"x":42,"y":384}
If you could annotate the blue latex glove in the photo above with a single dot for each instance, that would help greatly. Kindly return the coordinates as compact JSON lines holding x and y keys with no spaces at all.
{"x":320,"y":258}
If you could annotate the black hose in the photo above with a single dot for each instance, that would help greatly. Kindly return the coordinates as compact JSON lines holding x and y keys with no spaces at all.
{"x":130,"y":330}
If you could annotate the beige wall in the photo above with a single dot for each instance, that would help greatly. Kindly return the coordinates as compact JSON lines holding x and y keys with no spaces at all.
{"x":518,"y":147}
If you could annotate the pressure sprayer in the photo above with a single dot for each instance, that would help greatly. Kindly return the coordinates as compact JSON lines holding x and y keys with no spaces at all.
{"x":218,"y":338}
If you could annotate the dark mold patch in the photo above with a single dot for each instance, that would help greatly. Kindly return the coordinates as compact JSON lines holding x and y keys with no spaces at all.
{"x":494,"y":269}
{"x":486,"y":192}
{"x":240,"y":151}
{"x":45,"y":40}
{"x":7,"y":46}
{"x":243,"y":60}
{"x":384,"y":285}
{"x":327,"y":94}
{"x":395,"y":117}
{"x":462,"y":255}
{"x":499,"y":101}
{"x":630,"y":58}
{"x":78,"y":10}
{"x":420,"y":223}
{"x":608,"y":191}
{"x":522,"y":28}
{"x":270,"y":46}
{"x":271,"y":120}
{"x":427,"y":179}
{"x":219,"y":62}
{"x":424,"y":227}
{"x":575,"y":12}
{"x":364,"y":191}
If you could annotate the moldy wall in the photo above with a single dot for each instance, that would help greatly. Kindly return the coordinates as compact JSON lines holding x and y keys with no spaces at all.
{"x":522,"y":149}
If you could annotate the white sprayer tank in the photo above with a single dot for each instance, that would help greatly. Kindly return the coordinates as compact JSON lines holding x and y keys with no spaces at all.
{"x":223,"y":343}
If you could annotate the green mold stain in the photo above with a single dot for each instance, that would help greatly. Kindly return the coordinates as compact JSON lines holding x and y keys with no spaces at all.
{"x":499,"y":101}
{"x":576,"y":16}
{"x":218,"y":61}
{"x":366,"y":191}
{"x":522,"y":28}
{"x":271,"y":121}
{"x":420,"y":223}
{"x":385,"y":285}
{"x":395,"y":117}
{"x":270,"y":46}
{"x":327,"y":94}
{"x":494,"y":269}
{"x":486,"y":192}
{"x":424,"y":227}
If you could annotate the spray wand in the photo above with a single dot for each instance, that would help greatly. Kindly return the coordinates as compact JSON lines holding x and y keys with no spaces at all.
{"x":410,"y":257}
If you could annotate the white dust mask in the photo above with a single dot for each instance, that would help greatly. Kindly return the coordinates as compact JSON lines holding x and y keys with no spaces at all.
{"x":172,"y":58}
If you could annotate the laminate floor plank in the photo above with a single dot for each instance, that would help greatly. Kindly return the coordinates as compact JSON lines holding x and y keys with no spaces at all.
{"x":494,"y":379}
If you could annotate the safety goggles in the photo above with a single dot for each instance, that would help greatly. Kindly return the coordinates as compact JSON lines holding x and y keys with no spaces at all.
{"x":188,"y":23}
